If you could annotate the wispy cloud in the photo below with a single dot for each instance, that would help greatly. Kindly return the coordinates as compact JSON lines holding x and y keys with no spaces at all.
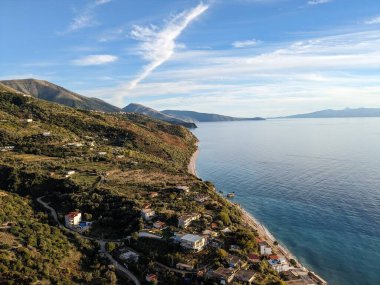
{"x":245,"y":44}
{"x":158,"y":45}
{"x":373,"y":21}
{"x":96,"y":59}
{"x":85,"y":18}
{"x":317,"y":2}
{"x":332,"y":72}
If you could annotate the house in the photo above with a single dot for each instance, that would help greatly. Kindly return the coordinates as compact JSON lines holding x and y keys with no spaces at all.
{"x":120,"y":156}
{"x":210,"y":234}
{"x":182,"y":189}
{"x":264,"y":248}
{"x":185,"y":220}
{"x":73,"y":219}
{"x":29,"y":120}
{"x":69,"y":173}
{"x":214,"y":226}
{"x":147,"y":214}
{"x":159,"y":225}
{"x":75,"y":144}
{"x":26,"y":95}
{"x":102,"y":153}
{"x":184,"y":266}
{"x":297,"y":276}
{"x":246,"y":276}
{"x":193,"y":242}
{"x":46,"y":134}
{"x":153,"y":194}
{"x":253,"y":258}
{"x":223,"y":275}
{"x":279,"y":264}
{"x":7,"y":148}
{"x":234,"y":261}
{"x":151,"y":277}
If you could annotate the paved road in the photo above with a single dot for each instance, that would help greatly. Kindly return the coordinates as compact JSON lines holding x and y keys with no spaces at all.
{"x":102,"y":243}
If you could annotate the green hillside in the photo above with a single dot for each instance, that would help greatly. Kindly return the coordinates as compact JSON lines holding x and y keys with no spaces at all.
{"x":108,"y":167}
{"x":50,"y":92}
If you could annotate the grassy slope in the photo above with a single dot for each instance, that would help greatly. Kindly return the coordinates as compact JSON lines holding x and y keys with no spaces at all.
{"x":54,"y":93}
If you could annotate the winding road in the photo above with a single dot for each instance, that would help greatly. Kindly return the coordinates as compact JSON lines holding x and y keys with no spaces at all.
{"x":101,"y":242}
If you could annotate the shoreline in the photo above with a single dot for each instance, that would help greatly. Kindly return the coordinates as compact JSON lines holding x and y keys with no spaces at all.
{"x":263,"y":233}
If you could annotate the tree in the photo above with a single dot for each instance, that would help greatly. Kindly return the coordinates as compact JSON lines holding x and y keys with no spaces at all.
{"x":110,"y":246}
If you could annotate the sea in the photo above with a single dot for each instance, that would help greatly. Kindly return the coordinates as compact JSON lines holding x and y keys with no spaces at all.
{"x":313,"y":183}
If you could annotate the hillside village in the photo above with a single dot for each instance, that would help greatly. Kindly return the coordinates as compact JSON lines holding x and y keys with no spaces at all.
{"x":119,"y":183}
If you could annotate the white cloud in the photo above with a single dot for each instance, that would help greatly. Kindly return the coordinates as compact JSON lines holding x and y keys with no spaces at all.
{"x":373,"y":21}
{"x":158,"y":45}
{"x":317,"y":2}
{"x":245,"y":44}
{"x":96,"y":59}
{"x":85,"y":18}
{"x":326,"y":72}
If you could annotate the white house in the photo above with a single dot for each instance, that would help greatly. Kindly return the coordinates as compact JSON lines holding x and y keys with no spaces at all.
{"x":183,"y":189}
{"x":193,"y":242}
{"x":102,"y":153}
{"x":73,"y":219}
{"x":264,"y":248}
{"x":69,"y":173}
{"x":147,"y":214}
{"x":185,"y":220}
{"x":279,"y":264}
{"x":46,"y":134}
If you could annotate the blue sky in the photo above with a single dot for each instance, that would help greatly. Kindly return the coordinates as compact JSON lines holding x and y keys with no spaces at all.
{"x":235,"y":57}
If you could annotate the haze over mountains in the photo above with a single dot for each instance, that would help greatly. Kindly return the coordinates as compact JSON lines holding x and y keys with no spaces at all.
{"x":345,"y":113}
{"x":191,"y":116}
{"x":141,"y":109}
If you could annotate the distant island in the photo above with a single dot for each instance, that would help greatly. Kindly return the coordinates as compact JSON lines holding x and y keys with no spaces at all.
{"x":345,"y":113}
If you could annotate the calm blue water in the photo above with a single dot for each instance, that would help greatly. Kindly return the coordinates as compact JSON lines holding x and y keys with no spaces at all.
{"x":314,"y":183}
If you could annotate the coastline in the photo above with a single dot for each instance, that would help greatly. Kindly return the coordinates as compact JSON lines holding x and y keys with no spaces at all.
{"x":263,"y":233}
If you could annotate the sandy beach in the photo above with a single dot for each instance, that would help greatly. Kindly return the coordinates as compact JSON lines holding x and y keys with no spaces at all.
{"x":253,"y":223}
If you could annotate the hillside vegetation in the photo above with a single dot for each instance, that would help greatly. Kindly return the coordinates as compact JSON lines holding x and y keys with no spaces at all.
{"x":108,"y":167}
{"x":50,"y":92}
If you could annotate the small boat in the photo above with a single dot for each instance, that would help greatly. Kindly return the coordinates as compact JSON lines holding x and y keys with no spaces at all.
{"x":231,"y":195}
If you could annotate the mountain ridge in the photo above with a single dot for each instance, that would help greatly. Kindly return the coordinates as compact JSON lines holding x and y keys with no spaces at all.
{"x":193,"y":116}
{"x":48,"y":91}
{"x":141,"y":109}
{"x":343,"y":113}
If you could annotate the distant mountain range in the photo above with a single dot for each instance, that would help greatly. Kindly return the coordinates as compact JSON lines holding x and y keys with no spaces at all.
{"x":345,"y":113}
{"x":50,"y":92}
{"x":141,"y":109}
{"x":191,"y":116}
